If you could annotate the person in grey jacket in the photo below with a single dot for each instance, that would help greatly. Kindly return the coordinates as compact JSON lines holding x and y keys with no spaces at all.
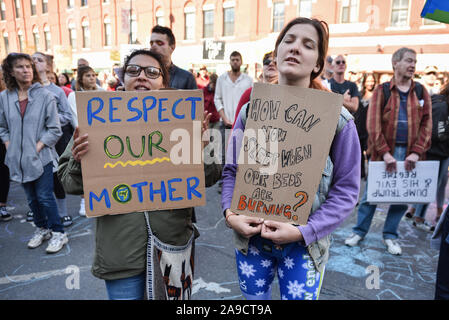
{"x":30,"y":128}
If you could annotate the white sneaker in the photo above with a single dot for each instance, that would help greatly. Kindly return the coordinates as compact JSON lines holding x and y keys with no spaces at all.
{"x":82,"y":211}
{"x":39,"y":236}
{"x":424,"y":226}
{"x":393,"y":247}
{"x":353,"y":240}
{"x":57,"y":241}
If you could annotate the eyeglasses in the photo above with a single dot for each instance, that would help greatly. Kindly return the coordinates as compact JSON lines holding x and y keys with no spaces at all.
{"x":340,"y":62}
{"x":151,"y":72}
{"x":266,"y":62}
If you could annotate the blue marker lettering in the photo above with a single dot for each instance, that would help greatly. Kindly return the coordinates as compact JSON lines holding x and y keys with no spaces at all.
{"x":132,"y":109}
{"x":159,"y":114}
{"x":104,"y":194}
{"x":173,"y":110}
{"x":139,"y":186}
{"x":171,"y":189}
{"x":193,"y":109}
{"x":192,"y":189}
{"x":145,"y":108}
{"x":161,"y":191}
{"x":90,"y":114}
{"x":112,"y":108}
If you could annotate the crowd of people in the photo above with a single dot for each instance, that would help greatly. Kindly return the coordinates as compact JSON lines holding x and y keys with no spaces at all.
{"x":385,"y":117}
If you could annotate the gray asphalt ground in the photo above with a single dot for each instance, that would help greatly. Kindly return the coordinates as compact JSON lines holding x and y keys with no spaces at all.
{"x":366,"y":272}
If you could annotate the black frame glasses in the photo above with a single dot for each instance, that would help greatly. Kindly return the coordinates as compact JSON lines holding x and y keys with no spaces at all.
{"x":340,"y":62}
{"x":134,"y":70}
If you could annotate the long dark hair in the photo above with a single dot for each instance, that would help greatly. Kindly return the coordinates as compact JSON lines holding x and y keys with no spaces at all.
{"x":7,"y":67}
{"x":365,"y":76}
{"x":154,"y":55}
{"x":321,"y":28}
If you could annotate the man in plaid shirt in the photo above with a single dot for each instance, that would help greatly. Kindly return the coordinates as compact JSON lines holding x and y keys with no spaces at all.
{"x":399,"y":130}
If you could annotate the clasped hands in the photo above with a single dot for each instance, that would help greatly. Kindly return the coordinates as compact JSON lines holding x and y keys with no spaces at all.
{"x":278,"y":232}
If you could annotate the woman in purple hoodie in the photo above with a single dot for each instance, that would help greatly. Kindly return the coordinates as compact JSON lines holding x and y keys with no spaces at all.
{"x":297,"y":253}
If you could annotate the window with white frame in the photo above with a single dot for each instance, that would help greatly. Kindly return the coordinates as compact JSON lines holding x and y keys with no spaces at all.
{"x":47,"y":38}
{"x":305,"y":8}
{"x":160,"y":20}
{"x":208,"y":22}
{"x":6,"y":42}
{"x":278,"y":15}
{"x":86,"y":33}
{"x":399,"y":13}
{"x":189,"y":22}
{"x":2,"y":10}
{"x":36,"y":39}
{"x":21,"y":40}
{"x":349,"y":11}
{"x":107,"y":30}
{"x":228,"y":18}
{"x":33,"y":7}
{"x":44,"y":6}
{"x":17,"y":7}
{"x":72,"y":35}
{"x":133,"y":25}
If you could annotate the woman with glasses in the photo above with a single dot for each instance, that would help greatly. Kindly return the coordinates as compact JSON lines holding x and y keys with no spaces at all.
{"x":126,"y":255}
{"x":30,"y":128}
{"x":297,"y":253}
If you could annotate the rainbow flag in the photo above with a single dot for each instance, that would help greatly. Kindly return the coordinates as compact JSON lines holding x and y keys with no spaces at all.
{"x":437,"y":10}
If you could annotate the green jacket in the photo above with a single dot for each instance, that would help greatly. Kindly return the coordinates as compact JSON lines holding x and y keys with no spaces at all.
{"x":121,"y":240}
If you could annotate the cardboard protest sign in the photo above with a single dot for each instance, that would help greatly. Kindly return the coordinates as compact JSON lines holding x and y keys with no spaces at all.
{"x":416,"y":186}
{"x":145,"y":150}
{"x":286,"y":141}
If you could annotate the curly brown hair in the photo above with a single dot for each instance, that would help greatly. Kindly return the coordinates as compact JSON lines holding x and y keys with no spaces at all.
{"x":8,"y":65}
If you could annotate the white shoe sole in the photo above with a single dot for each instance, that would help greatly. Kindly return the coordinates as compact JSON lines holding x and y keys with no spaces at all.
{"x":64,"y":242}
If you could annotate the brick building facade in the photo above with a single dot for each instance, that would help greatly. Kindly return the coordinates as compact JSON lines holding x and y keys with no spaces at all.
{"x":207,"y":31}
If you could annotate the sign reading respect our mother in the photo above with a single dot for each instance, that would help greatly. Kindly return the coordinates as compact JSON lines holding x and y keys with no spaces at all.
{"x":145,"y":150}
{"x":416,"y":186}
{"x":285,"y":144}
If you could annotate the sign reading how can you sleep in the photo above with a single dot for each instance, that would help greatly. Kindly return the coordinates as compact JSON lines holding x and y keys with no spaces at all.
{"x":283,"y":152}
{"x":145,"y":150}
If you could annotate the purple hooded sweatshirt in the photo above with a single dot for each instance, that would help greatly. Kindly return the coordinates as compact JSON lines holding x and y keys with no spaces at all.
{"x":343,"y":193}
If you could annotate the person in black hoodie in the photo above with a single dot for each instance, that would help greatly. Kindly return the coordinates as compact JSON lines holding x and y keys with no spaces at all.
{"x":439,"y":151}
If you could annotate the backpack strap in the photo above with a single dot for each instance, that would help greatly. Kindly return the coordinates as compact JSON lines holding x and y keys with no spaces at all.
{"x":387,"y":93}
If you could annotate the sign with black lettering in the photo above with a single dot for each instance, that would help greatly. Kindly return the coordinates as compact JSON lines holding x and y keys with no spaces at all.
{"x":416,"y":186}
{"x":284,"y":148}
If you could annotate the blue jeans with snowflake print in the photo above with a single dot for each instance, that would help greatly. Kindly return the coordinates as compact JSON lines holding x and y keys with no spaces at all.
{"x":298,"y":279}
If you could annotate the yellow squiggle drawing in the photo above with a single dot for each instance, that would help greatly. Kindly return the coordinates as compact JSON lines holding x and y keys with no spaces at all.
{"x":135,"y":163}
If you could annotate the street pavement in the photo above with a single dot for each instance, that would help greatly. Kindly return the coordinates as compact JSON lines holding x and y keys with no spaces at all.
{"x":366,"y":272}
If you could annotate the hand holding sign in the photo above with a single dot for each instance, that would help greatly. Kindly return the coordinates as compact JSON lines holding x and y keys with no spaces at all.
{"x":410,"y":161}
{"x":80,"y":145}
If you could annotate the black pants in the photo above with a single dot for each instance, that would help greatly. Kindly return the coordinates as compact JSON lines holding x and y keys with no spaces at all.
{"x":442,"y":284}
{"x":4,"y":175}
